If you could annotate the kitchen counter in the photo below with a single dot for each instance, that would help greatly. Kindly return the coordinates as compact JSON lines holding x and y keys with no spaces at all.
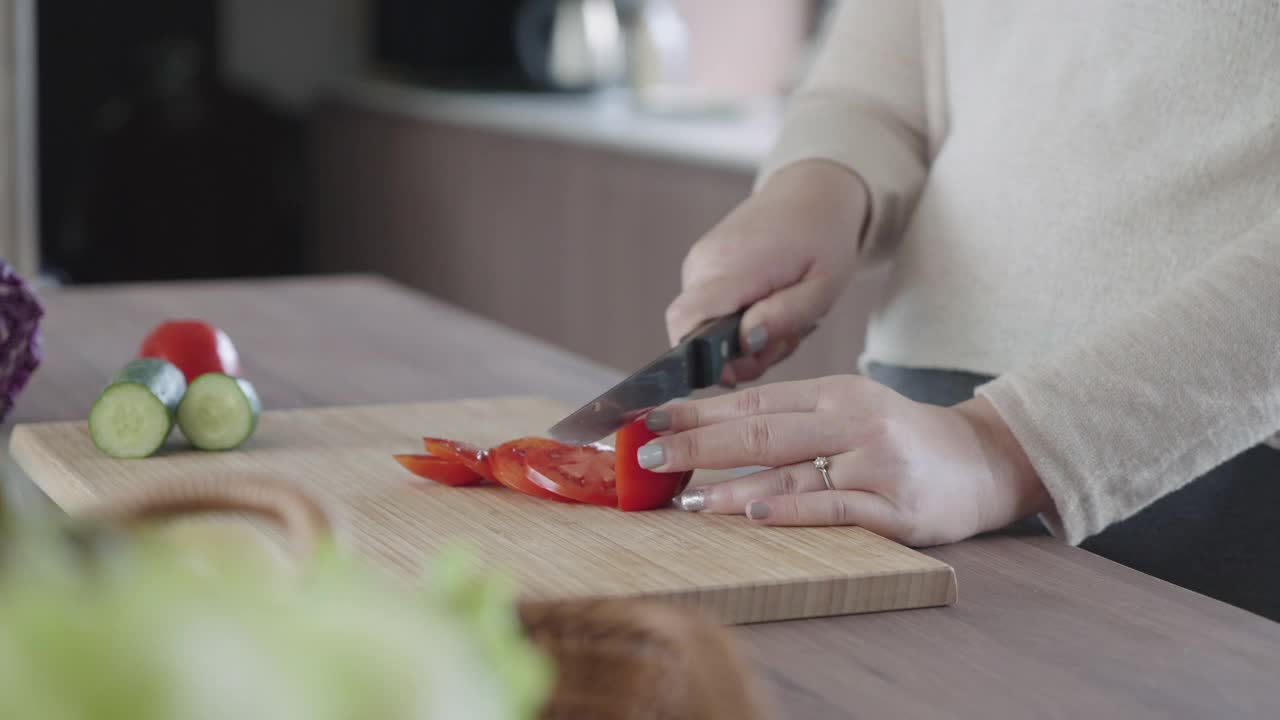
{"x":737,"y":140}
{"x":1041,"y":629}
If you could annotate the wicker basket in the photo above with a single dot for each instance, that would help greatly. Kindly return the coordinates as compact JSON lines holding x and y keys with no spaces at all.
{"x":615,"y":659}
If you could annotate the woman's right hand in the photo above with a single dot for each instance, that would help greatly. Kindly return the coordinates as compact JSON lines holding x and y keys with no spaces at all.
{"x":788,"y":252}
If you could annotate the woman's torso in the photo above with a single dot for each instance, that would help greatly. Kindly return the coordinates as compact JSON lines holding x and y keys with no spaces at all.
{"x":1091,"y":153}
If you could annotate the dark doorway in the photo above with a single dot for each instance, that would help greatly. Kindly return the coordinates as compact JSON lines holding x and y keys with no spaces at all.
{"x":151,"y":166}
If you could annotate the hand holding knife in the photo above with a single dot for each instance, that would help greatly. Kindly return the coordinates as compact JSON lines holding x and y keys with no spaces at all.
{"x":696,"y":362}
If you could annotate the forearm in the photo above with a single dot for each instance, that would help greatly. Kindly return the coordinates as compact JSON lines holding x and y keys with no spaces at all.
{"x":1160,"y":396}
{"x":825,"y":190}
{"x":862,"y":108}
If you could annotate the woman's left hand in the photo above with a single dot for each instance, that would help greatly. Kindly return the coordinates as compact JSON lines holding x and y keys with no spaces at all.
{"x":918,"y":474}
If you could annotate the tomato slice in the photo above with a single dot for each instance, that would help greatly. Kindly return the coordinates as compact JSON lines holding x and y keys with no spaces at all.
{"x":473,"y":457}
{"x":441,"y":470}
{"x":508,"y":465}
{"x":582,"y":472}
{"x":638,"y":488}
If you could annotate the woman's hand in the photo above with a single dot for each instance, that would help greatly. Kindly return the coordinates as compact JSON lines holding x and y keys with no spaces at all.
{"x":788,"y":251}
{"x":915,"y":473}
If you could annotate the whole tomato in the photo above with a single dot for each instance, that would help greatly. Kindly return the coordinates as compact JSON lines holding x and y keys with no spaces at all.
{"x":195,"y":347}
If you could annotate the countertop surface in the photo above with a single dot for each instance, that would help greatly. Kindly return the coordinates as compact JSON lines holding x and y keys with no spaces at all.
{"x":1040,"y":629}
{"x":736,"y":138}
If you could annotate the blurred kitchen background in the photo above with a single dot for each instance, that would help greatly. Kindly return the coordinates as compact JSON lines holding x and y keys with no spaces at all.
{"x":544,"y":163}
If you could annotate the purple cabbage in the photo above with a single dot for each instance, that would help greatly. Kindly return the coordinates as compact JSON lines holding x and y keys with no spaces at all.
{"x":20,"y":351}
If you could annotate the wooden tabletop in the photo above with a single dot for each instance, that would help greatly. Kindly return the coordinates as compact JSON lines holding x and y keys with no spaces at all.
{"x":1041,"y":629}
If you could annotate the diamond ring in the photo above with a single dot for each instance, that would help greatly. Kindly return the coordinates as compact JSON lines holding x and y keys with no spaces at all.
{"x":823,"y":463}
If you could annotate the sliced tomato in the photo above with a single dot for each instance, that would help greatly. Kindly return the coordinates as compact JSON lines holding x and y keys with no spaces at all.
{"x":473,"y":457}
{"x":508,"y":463}
{"x":582,"y":472}
{"x":441,"y":470}
{"x":638,"y":488}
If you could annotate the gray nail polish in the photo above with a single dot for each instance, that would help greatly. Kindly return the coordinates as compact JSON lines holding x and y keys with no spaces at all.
{"x":657,"y":420}
{"x":651,"y":456}
{"x":694,"y":500}
{"x":757,"y":510}
{"x":757,"y":339}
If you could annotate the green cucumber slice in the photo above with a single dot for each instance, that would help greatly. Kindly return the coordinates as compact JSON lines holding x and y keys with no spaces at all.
{"x":219,"y":412}
{"x":134,"y":414}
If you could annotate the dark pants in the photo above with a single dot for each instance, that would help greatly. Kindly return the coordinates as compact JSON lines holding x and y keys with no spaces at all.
{"x":1219,"y":535}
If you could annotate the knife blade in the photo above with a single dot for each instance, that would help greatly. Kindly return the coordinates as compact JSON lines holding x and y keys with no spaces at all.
{"x":694,"y":363}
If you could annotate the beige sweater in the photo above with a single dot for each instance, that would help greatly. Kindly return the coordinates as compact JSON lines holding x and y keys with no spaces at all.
{"x":1081,"y":197}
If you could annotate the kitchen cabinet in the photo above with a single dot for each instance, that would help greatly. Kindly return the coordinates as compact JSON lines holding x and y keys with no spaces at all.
{"x":549,"y":224}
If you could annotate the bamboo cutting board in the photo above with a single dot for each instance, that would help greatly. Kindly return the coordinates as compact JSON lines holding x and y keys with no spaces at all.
{"x":729,"y":568}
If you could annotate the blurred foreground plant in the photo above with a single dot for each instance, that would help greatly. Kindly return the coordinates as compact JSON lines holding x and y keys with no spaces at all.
{"x":110,"y":625}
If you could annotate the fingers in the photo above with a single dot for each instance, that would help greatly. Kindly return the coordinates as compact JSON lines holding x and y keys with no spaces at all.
{"x":786,"y":317}
{"x":752,"y":367}
{"x":796,"y":396}
{"x":840,"y":507}
{"x":732,"y":496}
{"x":772,"y":440}
{"x":795,"y":495}
{"x":744,"y":369}
{"x":710,"y":299}
{"x":772,"y":327}
{"x":728,"y":377}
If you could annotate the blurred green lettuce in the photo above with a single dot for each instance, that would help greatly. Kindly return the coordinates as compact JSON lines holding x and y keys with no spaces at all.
{"x":130,"y":627}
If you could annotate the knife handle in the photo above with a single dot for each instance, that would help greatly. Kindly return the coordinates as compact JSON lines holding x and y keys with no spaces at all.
{"x":712,"y":346}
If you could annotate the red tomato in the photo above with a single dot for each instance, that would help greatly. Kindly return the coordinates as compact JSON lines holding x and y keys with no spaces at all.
{"x":581,"y":472}
{"x":508,"y":464}
{"x":475,"y":458}
{"x":445,"y":472}
{"x":194,"y":347}
{"x":638,"y":488}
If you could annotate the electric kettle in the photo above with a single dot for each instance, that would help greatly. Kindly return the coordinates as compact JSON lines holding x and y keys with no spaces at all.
{"x":571,"y":45}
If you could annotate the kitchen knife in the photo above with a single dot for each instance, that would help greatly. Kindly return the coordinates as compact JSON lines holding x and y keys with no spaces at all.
{"x":694,"y":363}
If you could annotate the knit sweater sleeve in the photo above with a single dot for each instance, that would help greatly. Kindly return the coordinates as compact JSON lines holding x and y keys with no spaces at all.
{"x":863,"y":106}
{"x":1160,"y":395}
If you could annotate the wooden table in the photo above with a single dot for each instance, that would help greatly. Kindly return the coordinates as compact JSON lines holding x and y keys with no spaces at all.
{"x":1041,"y":629}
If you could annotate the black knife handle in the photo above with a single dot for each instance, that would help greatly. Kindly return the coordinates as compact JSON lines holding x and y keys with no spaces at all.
{"x":712,"y":346}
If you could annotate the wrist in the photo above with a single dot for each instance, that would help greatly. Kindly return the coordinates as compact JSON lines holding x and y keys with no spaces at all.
{"x":1017,"y":482}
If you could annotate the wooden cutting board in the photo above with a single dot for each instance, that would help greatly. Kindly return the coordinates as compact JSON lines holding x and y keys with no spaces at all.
{"x":733,"y":570}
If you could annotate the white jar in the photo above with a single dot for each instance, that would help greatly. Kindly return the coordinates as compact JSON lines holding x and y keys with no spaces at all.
{"x":660,"y":54}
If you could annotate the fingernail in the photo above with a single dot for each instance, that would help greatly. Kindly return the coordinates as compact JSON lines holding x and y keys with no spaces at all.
{"x":757,"y":510}
{"x":657,"y":420}
{"x":694,"y":500}
{"x":651,"y":456}
{"x":757,"y":339}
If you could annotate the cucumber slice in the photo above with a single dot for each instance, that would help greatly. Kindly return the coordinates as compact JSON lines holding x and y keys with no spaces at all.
{"x":134,"y":414}
{"x":219,"y":412}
